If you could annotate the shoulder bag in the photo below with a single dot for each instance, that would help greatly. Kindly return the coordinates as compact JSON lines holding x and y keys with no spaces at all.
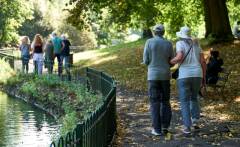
{"x":176,"y":72}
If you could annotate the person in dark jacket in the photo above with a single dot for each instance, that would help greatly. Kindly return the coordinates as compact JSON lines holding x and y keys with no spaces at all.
{"x":214,"y":67}
{"x":65,"y":53}
{"x":49,"y":56}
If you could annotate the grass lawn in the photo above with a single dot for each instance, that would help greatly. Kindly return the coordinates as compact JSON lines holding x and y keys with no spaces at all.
{"x":123,"y":62}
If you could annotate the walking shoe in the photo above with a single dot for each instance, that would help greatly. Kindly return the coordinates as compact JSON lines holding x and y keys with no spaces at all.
{"x":155,"y":133}
{"x":186,"y":130}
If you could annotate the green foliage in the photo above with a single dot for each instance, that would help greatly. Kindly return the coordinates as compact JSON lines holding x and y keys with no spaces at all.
{"x":233,"y":11}
{"x":35,"y":25}
{"x":50,"y":81}
{"x":48,"y":16}
{"x":143,"y":14}
{"x":69,"y":122}
{"x":29,"y":88}
{"x":12,"y":14}
{"x":5,"y":71}
{"x":72,"y":99}
{"x":84,"y":38}
{"x":51,"y":96}
{"x":136,"y":14}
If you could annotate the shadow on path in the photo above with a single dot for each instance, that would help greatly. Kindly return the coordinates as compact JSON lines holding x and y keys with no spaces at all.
{"x":133,"y":110}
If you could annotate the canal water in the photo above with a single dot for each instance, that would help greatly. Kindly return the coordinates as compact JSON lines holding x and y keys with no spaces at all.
{"x":22,"y":125}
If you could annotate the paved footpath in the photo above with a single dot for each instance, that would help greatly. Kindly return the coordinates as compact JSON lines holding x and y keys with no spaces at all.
{"x":135,"y":119}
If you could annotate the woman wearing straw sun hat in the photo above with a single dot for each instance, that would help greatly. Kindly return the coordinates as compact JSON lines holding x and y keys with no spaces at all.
{"x":191,"y":77}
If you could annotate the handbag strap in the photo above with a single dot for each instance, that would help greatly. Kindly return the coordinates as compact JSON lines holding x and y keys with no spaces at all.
{"x":185,"y":56}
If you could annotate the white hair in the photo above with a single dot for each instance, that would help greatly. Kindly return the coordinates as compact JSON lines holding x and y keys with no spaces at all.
{"x":63,"y":36}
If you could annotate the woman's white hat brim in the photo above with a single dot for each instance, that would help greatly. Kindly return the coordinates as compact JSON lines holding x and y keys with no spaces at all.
{"x":182,"y":35}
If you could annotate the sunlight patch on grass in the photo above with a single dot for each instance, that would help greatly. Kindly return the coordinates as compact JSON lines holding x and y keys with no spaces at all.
{"x":88,"y":55}
{"x":106,"y":59}
{"x":237,"y":99}
{"x":224,"y":117}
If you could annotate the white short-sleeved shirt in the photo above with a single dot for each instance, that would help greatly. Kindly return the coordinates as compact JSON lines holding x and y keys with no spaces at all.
{"x":191,"y":66}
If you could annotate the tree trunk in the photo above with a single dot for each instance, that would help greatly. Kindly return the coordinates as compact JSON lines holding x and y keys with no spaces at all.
{"x":147,"y":33}
{"x":217,"y":20}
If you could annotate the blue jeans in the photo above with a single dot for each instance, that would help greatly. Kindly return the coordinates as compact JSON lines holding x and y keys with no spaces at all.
{"x":38,"y":65}
{"x":65,"y":60}
{"x":25,"y":61}
{"x":59,"y":63}
{"x":188,"y":89}
{"x":159,"y":94}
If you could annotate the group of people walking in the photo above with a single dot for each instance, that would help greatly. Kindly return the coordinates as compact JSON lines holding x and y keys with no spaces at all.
{"x":44,"y":54}
{"x":159,"y":57}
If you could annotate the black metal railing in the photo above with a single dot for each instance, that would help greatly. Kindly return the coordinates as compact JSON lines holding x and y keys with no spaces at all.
{"x":99,"y":129}
{"x":7,"y":55}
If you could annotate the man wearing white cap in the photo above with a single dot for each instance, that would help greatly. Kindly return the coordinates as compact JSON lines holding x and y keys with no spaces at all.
{"x":157,"y":54}
{"x":192,"y":73}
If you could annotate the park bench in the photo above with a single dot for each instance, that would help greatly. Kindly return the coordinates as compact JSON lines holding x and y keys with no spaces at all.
{"x":219,"y":87}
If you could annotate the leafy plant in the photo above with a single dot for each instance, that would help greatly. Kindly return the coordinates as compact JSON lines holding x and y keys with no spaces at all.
{"x":30,"y":89}
{"x":6,"y":72}
{"x":69,"y":122}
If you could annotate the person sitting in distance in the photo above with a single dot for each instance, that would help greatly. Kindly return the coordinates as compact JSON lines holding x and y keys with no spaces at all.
{"x":214,"y":67}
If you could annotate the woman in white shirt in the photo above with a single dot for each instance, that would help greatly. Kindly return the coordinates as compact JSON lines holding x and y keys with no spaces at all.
{"x":191,"y":77}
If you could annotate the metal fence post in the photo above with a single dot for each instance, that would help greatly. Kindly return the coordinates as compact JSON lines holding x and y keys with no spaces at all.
{"x":79,"y":135}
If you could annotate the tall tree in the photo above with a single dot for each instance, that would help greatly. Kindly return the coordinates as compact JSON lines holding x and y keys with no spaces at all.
{"x":35,"y":26}
{"x":145,"y":13}
{"x":217,"y":20}
{"x":121,"y":12}
{"x":12,"y":14}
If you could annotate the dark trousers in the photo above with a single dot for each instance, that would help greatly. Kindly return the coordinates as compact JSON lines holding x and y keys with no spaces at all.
{"x":49,"y":65}
{"x":59,"y":63}
{"x":159,"y":94}
{"x":25,"y":65}
{"x":66,"y":66}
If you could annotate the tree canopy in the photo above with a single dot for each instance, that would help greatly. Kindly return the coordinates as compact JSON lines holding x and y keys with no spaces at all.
{"x":12,"y":14}
{"x":145,"y":13}
{"x":113,"y":18}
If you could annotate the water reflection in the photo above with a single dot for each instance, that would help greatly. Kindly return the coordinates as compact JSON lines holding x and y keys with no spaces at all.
{"x":22,"y":125}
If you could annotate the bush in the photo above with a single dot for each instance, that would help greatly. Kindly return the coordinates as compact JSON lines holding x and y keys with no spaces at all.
{"x":74,"y":99}
{"x":5,"y":71}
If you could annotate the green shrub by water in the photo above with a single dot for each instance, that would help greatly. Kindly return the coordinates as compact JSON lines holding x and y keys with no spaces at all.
{"x":72,"y":98}
{"x":5,"y":71}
